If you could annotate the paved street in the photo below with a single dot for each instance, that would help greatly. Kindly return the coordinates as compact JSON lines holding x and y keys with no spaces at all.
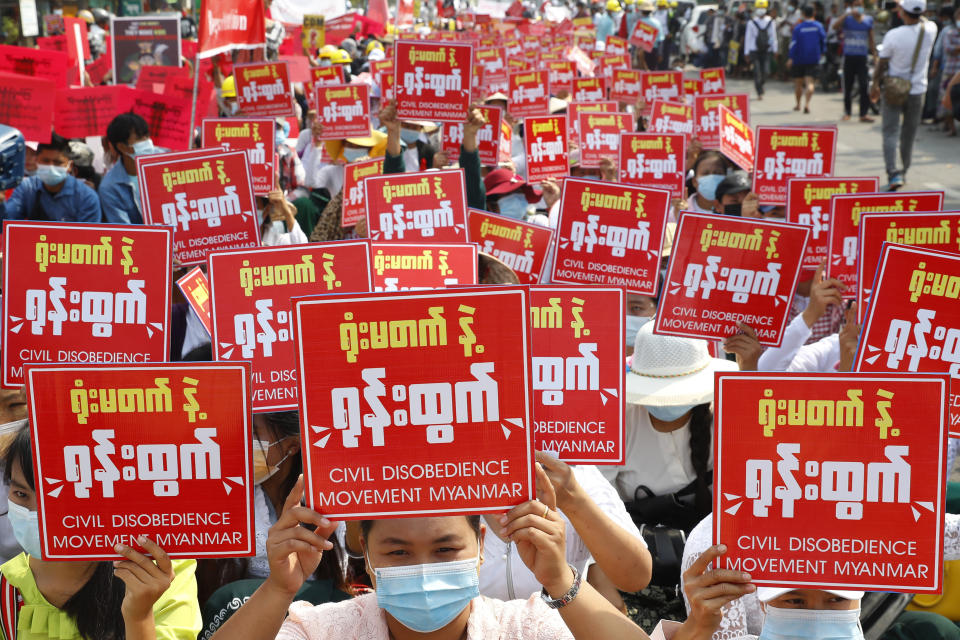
{"x":936,"y":158}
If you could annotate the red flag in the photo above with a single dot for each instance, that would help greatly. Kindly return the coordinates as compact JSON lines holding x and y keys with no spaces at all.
{"x":231,"y":24}
{"x":377,"y":11}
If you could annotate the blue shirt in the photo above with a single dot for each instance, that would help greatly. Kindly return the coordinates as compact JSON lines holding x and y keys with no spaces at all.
{"x":604,"y":25}
{"x":117,"y":197}
{"x":808,"y":43}
{"x":74,"y":202}
{"x":856,"y":35}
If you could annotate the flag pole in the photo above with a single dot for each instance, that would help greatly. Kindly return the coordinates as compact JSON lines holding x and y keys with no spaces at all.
{"x":196,"y":74}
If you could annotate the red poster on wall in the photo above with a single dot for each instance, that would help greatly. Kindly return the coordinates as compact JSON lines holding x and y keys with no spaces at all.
{"x":790,"y":152}
{"x":520,"y":245}
{"x":845,"y":212}
{"x":610,"y":234}
{"x":263,"y":89}
{"x":415,"y":403}
{"x":736,"y":139}
{"x":671,"y":117}
{"x":545,"y":140}
{"x":159,"y":450}
{"x":653,"y":160}
{"x":600,"y":136}
{"x":251,"y":293}
{"x":432,"y":80}
{"x":831,"y":481}
{"x":354,"y":206}
{"x":714,"y":80}
{"x":706,"y":118}
{"x":344,"y":111}
{"x":661,"y":85}
{"x":577,"y":347}
{"x":724,"y":270}
{"x":529,"y":94}
{"x":196,"y":289}
{"x":416,"y":207}
{"x":252,"y":135}
{"x":84,"y":293}
{"x":488,"y":138}
{"x":410,"y":267}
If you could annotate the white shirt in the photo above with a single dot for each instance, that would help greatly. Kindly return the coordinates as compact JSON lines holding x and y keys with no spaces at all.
{"x":693,"y":206}
{"x":750,"y":37}
{"x":794,"y":355}
{"x":898,"y":46}
{"x":273,"y":238}
{"x":320,"y":175}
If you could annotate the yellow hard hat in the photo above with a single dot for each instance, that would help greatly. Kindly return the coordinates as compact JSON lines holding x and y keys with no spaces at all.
{"x":613,"y":5}
{"x":630,"y":2}
{"x":327,"y":50}
{"x":340,"y":56}
{"x":86,"y":16}
{"x":760,"y":4}
{"x":673,"y":4}
{"x":663,"y":3}
{"x":228,"y":89}
{"x":374,"y":44}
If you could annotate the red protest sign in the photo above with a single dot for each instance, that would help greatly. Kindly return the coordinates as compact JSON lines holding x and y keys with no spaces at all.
{"x":84,"y":293}
{"x":589,"y":90}
{"x":196,"y":289}
{"x":736,"y":139}
{"x":520,"y":245}
{"x":206,"y":197}
{"x":488,"y":138}
{"x":692,"y":86}
{"x":529,"y":94}
{"x":831,"y":481}
{"x":344,"y":111}
{"x":610,"y":63}
{"x":167,"y":116}
{"x":161,"y":450}
{"x":790,"y":152}
{"x":24,"y":61}
{"x":230,"y":24}
{"x":939,"y":231}
{"x":416,"y":207}
{"x":600,"y":135}
{"x":354,"y":206}
{"x":808,"y":203}
{"x":574,"y":109}
{"x":87,"y":111}
{"x":713,"y":79}
{"x":671,"y":117}
{"x":724,"y":270}
{"x":443,"y":380}
{"x":433,"y":80}
{"x":625,"y":85}
{"x":26,"y":103}
{"x":616,"y":45}
{"x":577,"y":347}
{"x":644,"y":36}
{"x":251,"y":135}
{"x":912,"y":322}
{"x":610,"y":234}
{"x":250,"y":300}
{"x":562,"y":75}
{"x":410,"y":267}
{"x":706,"y":118}
{"x":151,"y":75}
{"x":653,"y":160}
{"x":661,"y":85}
{"x":845,"y":211}
{"x":545,"y":141}
{"x":491,"y":63}
{"x":320,"y":76}
{"x":263,"y":89}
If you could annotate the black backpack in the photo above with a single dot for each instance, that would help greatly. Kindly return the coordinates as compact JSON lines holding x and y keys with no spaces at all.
{"x":763,"y":37}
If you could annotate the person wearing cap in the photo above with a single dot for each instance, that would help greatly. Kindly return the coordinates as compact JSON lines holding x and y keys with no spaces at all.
{"x":508,"y":194}
{"x":607,"y":21}
{"x":646,"y":15}
{"x":808,"y":43}
{"x":228,"y":98}
{"x":81,"y":162}
{"x":905,"y":53}
{"x":734,"y":195}
{"x":760,"y":43}
{"x":858,"y":43}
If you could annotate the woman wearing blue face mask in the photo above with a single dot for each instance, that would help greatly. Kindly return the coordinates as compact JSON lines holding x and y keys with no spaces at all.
{"x":708,"y":172}
{"x":508,"y":194}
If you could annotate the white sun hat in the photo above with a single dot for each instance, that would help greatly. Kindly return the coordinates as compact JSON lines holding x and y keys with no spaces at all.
{"x":668,"y":371}
{"x":766,"y":594}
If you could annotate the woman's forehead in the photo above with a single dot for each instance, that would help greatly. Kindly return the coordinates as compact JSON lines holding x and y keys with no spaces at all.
{"x":422,"y":530}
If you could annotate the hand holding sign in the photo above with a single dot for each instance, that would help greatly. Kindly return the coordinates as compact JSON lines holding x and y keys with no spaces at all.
{"x":562,"y":479}
{"x":145,"y":579}
{"x":823,"y":293}
{"x":849,"y":338}
{"x":475,"y":122}
{"x":709,"y":591}
{"x":746,"y":346}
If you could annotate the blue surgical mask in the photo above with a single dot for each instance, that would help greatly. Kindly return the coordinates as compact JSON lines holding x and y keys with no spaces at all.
{"x":352,"y":155}
{"x":808,"y":624}
{"x":857,"y":10}
{"x":143,"y":148}
{"x":427,"y":597}
{"x":284,"y":132}
{"x":409,"y":135}
{"x":51,"y":175}
{"x":707,"y":185}
{"x":513,"y":205}
{"x":671,"y":413}
{"x":26,"y":528}
{"x":633,"y":326}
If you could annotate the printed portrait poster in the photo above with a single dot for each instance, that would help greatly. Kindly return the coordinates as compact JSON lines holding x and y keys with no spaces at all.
{"x":912,"y":324}
{"x":843,"y":238}
{"x":354,"y":173}
{"x":790,"y":152}
{"x":939,"y":231}
{"x":736,"y":139}
{"x":426,"y":206}
{"x":520,"y":245}
{"x":488,"y":137}
{"x":726,"y":269}
{"x":589,"y":89}
{"x":610,"y":234}
{"x":600,"y":136}
{"x":27,"y":104}
{"x":196,"y":289}
{"x":661,"y":85}
{"x":415,"y":403}
{"x":160,"y":450}
{"x":397,"y":266}
{"x":713,"y":79}
{"x":625,"y":85}
{"x":344,"y":111}
{"x":578,"y":374}
{"x":206,"y":197}
{"x":255,"y":136}
{"x":84,"y":293}
{"x":831,"y":481}
{"x":251,"y":293}
{"x":143,"y":41}
{"x":432,"y":80}
{"x":706,"y":118}
{"x":264,"y":90}
{"x":671,"y":117}
{"x":808,"y":203}
{"x":654,"y":160}
{"x":529,"y":94}
{"x":545,"y":141}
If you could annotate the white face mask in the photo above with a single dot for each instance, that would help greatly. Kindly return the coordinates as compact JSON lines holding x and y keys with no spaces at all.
{"x":633,"y":326}
{"x":809,"y":624}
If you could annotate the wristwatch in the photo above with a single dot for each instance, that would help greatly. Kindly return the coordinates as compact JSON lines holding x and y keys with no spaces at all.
{"x":566,"y":598}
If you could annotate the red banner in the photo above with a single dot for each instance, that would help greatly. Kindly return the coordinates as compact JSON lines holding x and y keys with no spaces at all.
{"x":87,"y":112}
{"x":263,"y":89}
{"x":454,"y":363}
{"x":714,"y":80}
{"x":251,"y":135}
{"x":831,"y":481}
{"x":488,"y":138}
{"x":724,"y":270}
{"x":344,"y":111}
{"x":845,"y":211}
{"x":230,"y":24}
{"x":158,"y":450}
{"x":545,"y":141}
{"x":416,"y":207}
{"x":625,"y":85}
{"x":790,"y":152}
{"x":577,"y":347}
{"x":736,"y":139}
{"x":84,"y":293}
{"x":24,"y":61}
{"x":207,"y":199}
{"x":433,"y":80}
{"x":167,"y":116}
{"x":354,"y":207}
{"x":644,"y":36}
{"x":26,"y":103}
{"x":196,"y":289}
{"x":654,"y":160}
{"x":589,"y":90}
{"x":520,"y":245}
{"x":412,"y":267}
{"x":600,"y":136}
{"x":251,"y":293}
{"x":671,"y":117}
{"x":529,"y":94}
{"x":808,"y":203}
{"x":610,"y":234}
{"x":661,"y":85}
{"x":706,"y":118}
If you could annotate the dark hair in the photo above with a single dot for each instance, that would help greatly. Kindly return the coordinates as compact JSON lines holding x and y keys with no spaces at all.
{"x":709,"y":155}
{"x":57,"y":143}
{"x":120,"y":128}
{"x":701,"y":419}
{"x":95,"y":608}
{"x":807,"y":11}
{"x":474,"y":521}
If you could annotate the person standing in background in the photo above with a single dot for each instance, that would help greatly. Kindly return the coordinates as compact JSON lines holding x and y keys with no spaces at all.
{"x":858,"y":43}
{"x":807,"y":45}
{"x":760,"y":43}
